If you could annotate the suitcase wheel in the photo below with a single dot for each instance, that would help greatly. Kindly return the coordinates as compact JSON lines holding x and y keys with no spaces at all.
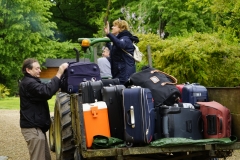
{"x":128,"y":144}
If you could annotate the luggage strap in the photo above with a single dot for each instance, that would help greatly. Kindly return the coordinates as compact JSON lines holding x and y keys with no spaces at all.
{"x":168,"y":75}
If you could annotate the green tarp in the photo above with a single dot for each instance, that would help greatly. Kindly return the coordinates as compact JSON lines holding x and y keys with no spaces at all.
{"x":100,"y":141}
{"x":110,"y":142}
{"x":169,"y":142}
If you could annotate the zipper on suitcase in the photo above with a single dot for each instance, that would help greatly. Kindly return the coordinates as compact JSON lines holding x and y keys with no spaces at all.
{"x":142,"y":100}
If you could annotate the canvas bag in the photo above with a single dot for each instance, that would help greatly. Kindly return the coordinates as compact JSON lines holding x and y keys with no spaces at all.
{"x":137,"y":54}
{"x":161,"y":84}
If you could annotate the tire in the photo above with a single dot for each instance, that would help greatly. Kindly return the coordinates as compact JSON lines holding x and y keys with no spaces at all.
{"x":63,"y":133}
{"x":51,"y":136}
{"x":77,"y":155}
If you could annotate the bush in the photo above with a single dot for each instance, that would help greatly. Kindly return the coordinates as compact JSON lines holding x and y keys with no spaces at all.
{"x":4,"y":91}
{"x":12,"y":85}
{"x":203,"y":58}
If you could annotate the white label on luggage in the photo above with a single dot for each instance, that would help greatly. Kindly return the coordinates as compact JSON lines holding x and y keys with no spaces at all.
{"x":154,"y":79}
{"x":188,"y":105}
{"x":197,"y":94}
{"x":100,"y":105}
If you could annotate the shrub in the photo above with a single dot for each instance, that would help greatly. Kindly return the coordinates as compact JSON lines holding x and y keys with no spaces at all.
{"x":202,"y":58}
{"x":4,"y":91}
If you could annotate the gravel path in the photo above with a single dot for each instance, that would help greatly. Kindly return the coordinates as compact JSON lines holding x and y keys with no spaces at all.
{"x":13,"y":145}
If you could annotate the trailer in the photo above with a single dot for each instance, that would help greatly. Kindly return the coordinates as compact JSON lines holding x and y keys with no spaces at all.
{"x":67,"y":132}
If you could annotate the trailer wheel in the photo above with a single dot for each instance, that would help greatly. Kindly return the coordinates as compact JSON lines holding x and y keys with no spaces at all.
{"x":77,"y":155}
{"x":63,"y":134}
{"x":51,"y":136}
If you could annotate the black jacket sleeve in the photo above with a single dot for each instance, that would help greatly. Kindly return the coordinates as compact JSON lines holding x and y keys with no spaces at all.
{"x":43,"y":91}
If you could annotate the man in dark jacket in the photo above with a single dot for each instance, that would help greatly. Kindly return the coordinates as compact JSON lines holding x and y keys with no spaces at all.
{"x":122,"y":64}
{"x":34,"y":109}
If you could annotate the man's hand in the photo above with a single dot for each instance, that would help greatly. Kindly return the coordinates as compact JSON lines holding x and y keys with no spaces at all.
{"x":61,"y":69}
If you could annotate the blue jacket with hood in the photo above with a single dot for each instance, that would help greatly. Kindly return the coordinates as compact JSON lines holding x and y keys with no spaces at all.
{"x":122,"y":65}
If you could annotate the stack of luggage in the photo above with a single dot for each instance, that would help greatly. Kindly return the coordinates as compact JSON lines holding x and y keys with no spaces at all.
{"x":149,"y":107}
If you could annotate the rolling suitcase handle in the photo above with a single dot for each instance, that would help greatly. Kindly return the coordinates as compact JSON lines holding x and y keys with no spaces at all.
{"x":77,"y":54}
{"x":165,"y":112}
{"x":165,"y":126}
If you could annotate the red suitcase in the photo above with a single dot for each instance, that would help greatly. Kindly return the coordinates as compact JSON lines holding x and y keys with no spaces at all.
{"x":216,"y":119}
{"x":180,"y":87}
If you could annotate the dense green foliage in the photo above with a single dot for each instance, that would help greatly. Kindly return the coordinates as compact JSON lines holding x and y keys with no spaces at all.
{"x":202,"y":58}
{"x":227,"y":13}
{"x":4,"y":91}
{"x":82,"y":18}
{"x":179,"y":17}
{"x":25,"y":31}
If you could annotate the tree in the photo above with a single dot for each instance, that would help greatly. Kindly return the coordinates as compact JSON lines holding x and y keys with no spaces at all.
{"x":25,"y":31}
{"x":227,"y":18}
{"x":81,"y":18}
{"x":77,"y":18}
{"x":175,"y":17}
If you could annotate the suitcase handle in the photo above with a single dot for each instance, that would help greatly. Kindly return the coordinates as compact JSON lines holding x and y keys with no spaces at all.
{"x":211,"y":124}
{"x":77,"y":54}
{"x":165,"y":126}
{"x":170,"y":110}
{"x":189,"y":126}
{"x":132,"y":117}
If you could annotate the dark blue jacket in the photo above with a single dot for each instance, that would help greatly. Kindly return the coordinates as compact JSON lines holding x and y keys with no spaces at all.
{"x":34,"y":110}
{"x":122,"y":65}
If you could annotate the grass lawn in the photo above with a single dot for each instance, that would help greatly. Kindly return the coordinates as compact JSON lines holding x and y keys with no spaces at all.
{"x":13,"y":103}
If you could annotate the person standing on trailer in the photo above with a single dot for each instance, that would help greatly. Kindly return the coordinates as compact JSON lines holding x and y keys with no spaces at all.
{"x":34,"y":110}
{"x":122,"y":65}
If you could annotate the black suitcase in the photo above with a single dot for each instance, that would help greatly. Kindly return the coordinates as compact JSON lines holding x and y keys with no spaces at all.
{"x":158,"y":129}
{"x":76,"y":73}
{"x":91,"y":91}
{"x":139,"y":115}
{"x":112,"y":95}
{"x":181,"y":122}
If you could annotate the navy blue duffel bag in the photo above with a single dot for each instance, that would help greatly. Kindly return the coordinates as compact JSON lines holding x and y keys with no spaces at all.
{"x":76,"y":73}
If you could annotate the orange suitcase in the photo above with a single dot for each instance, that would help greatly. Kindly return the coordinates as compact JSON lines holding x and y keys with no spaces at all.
{"x":95,"y":120}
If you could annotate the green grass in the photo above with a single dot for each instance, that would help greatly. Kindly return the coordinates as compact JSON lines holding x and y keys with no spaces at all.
{"x":13,"y":103}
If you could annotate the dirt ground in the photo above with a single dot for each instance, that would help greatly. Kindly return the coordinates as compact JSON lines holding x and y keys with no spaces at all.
{"x":13,"y":145}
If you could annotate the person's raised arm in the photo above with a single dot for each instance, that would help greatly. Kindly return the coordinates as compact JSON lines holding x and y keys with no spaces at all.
{"x":107,"y":28}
